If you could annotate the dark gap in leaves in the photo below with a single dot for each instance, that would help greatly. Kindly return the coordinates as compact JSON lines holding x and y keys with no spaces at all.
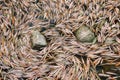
{"x":2,"y":20}
{"x":10,"y":27}
{"x":116,"y":21}
{"x":5,"y":36}
{"x":59,"y":79}
{"x":36,"y":16}
{"x":44,"y":75}
{"x":43,"y":29}
{"x":14,"y":31}
{"x":6,"y":1}
{"x":107,"y":19}
{"x":108,"y":67}
{"x":118,"y":78}
{"x":81,"y":56}
{"x":47,"y":73}
{"x":24,"y":11}
{"x":118,"y":36}
{"x":95,"y":6}
{"x":7,"y":29}
{"x":38,"y":57}
{"x":48,"y":39}
{"x":106,"y":32}
{"x":38,"y":47}
{"x":118,"y":7}
{"x":117,"y":60}
{"x":75,"y":3}
{"x":53,"y":63}
{"x":1,"y":64}
{"x":52,"y":23}
{"x":38,"y":78}
{"x":6,"y":69}
{"x":112,"y":48}
{"x":42,"y":18}
{"x":15,"y":13}
{"x":84,"y":7}
{"x":40,"y":6}
{"x":66,"y":6}
{"x":22,"y":16}
{"x":118,"y":71}
{"x":103,"y":78}
{"x":19,"y":57}
{"x":97,"y":19}
{"x":30,"y":24}
{"x":1,"y":76}
{"x":35,"y":2}
{"x":112,"y":11}
{"x":1,"y":2}
{"x":102,"y":8}
{"x":22,"y":78}
{"x":37,"y":10}
{"x":60,"y":32}
{"x":62,"y":5}
{"x":50,"y":59}
{"x":99,"y":68}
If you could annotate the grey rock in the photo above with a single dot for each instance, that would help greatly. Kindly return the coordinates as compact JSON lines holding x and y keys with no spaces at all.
{"x":84,"y":34}
{"x":109,"y":40}
{"x":38,"y":40}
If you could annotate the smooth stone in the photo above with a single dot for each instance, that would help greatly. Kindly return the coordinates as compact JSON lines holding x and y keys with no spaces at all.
{"x":38,"y":40}
{"x":84,"y":34}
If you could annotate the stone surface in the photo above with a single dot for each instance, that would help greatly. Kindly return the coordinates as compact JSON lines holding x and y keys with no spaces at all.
{"x":38,"y":40}
{"x":110,"y":40}
{"x":84,"y":34}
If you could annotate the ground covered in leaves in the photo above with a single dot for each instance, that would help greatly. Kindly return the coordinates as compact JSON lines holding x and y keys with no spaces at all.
{"x":64,"y":57}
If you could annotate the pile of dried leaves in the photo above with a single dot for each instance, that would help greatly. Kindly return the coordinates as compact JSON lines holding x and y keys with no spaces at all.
{"x":64,"y":57}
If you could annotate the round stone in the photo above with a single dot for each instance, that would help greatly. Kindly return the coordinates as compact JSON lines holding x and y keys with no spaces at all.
{"x":84,"y":34}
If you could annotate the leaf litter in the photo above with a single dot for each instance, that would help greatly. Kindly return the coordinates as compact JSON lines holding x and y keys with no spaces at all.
{"x":64,"y":57}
